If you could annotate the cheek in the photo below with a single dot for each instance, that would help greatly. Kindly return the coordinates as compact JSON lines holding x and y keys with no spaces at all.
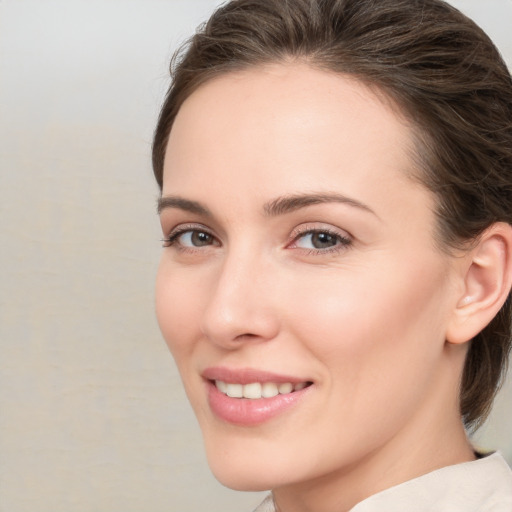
{"x":372,"y":341}
{"x":177,"y":302}
{"x":366,"y":327}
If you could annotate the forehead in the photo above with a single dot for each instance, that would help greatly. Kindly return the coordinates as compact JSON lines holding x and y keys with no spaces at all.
{"x":270,"y":129}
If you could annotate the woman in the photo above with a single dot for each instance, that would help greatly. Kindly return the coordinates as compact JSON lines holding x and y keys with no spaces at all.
{"x":336,"y":182}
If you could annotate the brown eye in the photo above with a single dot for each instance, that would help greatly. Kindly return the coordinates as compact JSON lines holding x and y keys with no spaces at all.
{"x":193,"y":238}
{"x":190,"y":239}
{"x":199,"y":238}
{"x":321,"y":240}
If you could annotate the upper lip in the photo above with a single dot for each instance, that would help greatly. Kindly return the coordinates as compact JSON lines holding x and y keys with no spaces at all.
{"x":247,"y":376}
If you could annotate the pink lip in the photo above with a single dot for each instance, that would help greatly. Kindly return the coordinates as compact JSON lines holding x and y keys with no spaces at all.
{"x":244,"y":411}
{"x":247,"y":376}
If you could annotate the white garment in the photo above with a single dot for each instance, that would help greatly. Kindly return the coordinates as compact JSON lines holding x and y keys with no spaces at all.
{"x":483,"y":485}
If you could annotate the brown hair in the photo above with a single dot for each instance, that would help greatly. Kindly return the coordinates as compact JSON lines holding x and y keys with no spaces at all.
{"x":443,"y":72}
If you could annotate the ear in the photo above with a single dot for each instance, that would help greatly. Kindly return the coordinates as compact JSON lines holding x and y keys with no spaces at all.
{"x":487,"y":280}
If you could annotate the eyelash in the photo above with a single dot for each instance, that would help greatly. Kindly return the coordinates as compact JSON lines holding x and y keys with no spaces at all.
{"x":344,"y":242}
{"x":172,"y":239}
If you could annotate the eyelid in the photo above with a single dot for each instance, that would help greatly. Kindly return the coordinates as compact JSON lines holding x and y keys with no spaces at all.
{"x":303,"y":230}
{"x":188,"y":226}
{"x":170,"y":239}
{"x":316,"y":227}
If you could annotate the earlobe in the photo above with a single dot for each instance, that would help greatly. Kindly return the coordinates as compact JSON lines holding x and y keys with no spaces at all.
{"x":487,"y":283}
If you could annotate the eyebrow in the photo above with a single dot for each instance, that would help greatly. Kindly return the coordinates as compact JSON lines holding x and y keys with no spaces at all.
{"x":182,"y":204}
{"x":287,"y":204}
{"x":279,"y":206}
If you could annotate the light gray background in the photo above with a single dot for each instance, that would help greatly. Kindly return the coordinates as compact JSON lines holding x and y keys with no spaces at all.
{"x":92,"y":415}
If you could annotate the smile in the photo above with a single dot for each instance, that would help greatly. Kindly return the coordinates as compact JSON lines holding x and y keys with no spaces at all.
{"x":249,"y":397}
{"x":258,"y":390}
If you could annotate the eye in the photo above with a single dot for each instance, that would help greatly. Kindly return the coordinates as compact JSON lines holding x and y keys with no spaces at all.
{"x":194,"y":238}
{"x":321,"y":240}
{"x":190,"y":238}
{"x":317,"y":240}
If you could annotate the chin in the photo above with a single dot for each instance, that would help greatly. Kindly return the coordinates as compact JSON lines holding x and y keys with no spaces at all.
{"x":241,"y":473}
{"x":244,"y":468}
{"x":245,"y":482}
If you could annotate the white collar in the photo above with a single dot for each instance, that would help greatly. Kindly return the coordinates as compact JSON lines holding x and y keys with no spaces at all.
{"x":483,"y":485}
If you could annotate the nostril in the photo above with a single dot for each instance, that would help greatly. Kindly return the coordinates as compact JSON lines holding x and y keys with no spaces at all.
{"x":246,"y":336}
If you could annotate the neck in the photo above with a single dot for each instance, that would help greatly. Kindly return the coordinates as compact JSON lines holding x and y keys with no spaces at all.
{"x":340,"y":491}
{"x":433,"y":439}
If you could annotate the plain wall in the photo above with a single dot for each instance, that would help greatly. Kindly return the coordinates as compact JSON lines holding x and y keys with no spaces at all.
{"x":92,"y":414}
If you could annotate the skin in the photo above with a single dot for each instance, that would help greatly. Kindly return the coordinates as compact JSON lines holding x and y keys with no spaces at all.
{"x":366,"y":321}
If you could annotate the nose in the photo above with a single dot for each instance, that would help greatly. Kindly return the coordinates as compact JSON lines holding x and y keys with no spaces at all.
{"x":242,"y":305}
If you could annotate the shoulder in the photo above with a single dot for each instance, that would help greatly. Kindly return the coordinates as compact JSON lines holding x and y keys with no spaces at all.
{"x":483,"y":485}
{"x":267,"y":505}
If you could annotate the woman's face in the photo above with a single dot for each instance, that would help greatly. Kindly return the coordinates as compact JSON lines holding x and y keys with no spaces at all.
{"x":301,"y":271}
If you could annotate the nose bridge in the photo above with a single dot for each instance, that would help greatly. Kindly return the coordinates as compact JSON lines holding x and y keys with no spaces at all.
{"x":241,"y":305}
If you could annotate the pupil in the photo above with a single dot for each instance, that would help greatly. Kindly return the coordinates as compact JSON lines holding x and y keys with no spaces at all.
{"x":323,"y":240}
{"x":200,"y":238}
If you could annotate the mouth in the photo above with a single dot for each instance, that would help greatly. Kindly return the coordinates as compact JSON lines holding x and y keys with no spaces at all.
{"x":258,"y":390}
{"x":248,"y":397}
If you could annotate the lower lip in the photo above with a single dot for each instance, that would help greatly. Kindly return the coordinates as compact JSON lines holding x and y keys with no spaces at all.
{"x":248,"y":412}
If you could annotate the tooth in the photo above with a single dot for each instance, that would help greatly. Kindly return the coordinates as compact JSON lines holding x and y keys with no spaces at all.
{"x":256,"y":390}
{"x":221,"y":386}
{"x":269,"y":389}
{"x":286,"y":387}
{"x":252,"y":390}
{"x":234,"y":390}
